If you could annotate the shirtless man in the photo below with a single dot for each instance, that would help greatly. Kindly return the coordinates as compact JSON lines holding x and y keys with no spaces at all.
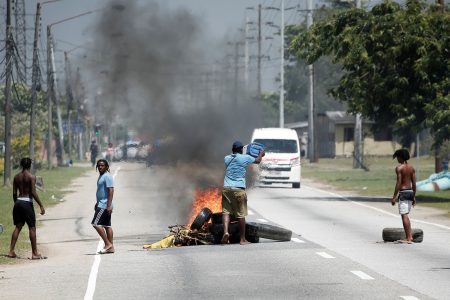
{"x":23,"y":211}
{"x":405,"y":190}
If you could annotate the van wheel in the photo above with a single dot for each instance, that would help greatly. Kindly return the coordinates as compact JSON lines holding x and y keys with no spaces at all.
{"x":296,"y":185}
{"x":267,"y":231}
{"x":395,"y":234}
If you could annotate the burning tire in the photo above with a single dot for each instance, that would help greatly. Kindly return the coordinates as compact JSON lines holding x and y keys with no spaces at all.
{"x":267,"y":231}
{"x":203,"y":217}
{"x":216,"y":218}
{"x":395,"y":234}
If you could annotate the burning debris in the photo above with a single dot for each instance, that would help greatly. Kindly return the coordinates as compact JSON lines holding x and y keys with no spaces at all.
{"x":206,"y":226}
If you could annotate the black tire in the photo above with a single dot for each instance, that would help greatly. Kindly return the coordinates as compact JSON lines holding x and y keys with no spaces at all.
{"x":217,"y":229}
{"x":267,"y":231}
{"x":296,"y":185}
{"x":395,"y":234}
{"x":216,"y":218}
{"x":203,"y":217}
{"x":235,"y":239}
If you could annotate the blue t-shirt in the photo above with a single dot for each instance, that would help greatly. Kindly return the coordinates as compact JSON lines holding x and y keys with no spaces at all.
{"x":235,"y":169}
{"x":104,"y":182}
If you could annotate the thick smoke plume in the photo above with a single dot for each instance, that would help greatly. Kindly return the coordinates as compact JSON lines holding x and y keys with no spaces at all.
{"x":160,"y":81}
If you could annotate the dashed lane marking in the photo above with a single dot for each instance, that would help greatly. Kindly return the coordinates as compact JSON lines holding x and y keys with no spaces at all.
{"x":324,"y":255}
{"x":297,"y":240}
{"x":362,"y":275}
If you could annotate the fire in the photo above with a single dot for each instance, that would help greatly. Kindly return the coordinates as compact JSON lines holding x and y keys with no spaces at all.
{"x":210,"y":198}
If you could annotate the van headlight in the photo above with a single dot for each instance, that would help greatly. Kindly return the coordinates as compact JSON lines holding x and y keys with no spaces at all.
{"x":295,"y":161}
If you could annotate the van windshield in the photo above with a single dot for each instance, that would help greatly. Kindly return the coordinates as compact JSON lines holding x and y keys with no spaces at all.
{"x":278,"y":146}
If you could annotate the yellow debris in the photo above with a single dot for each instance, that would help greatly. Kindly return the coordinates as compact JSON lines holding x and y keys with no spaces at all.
{"x":166,"y":242}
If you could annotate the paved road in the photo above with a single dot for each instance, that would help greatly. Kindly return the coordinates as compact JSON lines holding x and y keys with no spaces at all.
{"x":335,"y":253}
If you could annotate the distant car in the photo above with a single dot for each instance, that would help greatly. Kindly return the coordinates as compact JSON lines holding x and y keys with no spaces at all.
{"x":143,"y":152}
{"x":132,"y":149}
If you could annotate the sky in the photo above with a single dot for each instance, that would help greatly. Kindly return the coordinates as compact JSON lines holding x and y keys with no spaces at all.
{"x":220,"y":21}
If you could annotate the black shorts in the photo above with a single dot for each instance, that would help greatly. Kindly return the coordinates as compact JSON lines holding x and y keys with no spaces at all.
{"x":101,"y":218}
{"x":23,"y":212}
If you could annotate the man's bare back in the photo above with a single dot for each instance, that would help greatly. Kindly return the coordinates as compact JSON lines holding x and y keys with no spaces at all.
{"x":406,"y":176}
{"x":24,"y":182}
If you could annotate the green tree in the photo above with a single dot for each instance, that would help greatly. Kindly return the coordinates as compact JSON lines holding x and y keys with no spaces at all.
{"x":396,"y":63}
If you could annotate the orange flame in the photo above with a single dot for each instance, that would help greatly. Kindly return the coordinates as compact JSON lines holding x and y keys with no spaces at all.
{"x":210,"y":198}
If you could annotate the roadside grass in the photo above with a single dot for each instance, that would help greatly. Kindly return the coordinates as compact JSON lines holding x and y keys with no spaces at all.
{"x":378,"y":181}
{"x":56,"y":182}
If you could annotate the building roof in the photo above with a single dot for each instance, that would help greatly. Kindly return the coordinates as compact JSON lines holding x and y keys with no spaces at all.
{"x":296,"y":125}
{"x":342,"y":117}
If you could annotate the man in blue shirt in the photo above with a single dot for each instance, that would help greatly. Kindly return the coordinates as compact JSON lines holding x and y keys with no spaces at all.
{"x":234,"y":197}
{"x":104,"y":206}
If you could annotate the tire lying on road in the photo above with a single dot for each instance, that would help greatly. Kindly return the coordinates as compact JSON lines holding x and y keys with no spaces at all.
{"x":267,"y":231}
{"x":395,"y":234}
{"x":203,"y":216}
{"x":217,"y":231}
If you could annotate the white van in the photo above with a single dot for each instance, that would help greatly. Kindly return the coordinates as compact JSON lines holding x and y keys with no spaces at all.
{"x":281,"y":164}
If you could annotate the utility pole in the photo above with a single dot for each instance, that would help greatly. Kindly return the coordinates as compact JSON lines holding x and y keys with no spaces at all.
{"x":78,"y":94}
{"x":69,"y":95}
{"x":281,"y":108}
{"x":34,"y":80}
{"x":311,"y":108}
{"x":54,"y":96}
{"x":49,"y":99}
{"x":259,"y":53}
{"x":8,"y":104}
{"x":357,"y":152}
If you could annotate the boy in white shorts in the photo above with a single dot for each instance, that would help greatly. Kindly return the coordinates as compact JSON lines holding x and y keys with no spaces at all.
{"x":405,"y":190}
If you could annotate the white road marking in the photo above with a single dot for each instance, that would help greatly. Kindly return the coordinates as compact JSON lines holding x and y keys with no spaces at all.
{"x":250,"y":212}
{"x":263,"y":220}
{"x":297,"y":240}
{"x":325,"y":255}
{"x":90,"y":290}
{"x":378,"y":209}
{"x":93,"y":275}
{"x":409,"y":298}
{"x":362,"y":275}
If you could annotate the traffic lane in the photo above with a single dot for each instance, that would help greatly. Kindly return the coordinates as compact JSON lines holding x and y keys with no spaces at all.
{"x":354,"y":230}
{"x":268,"y":270}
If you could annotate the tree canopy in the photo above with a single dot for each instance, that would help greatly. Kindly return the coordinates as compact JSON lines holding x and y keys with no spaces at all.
{"x":396,"y":61}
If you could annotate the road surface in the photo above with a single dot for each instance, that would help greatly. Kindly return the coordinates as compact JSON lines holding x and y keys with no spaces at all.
{"x":336,"y":251}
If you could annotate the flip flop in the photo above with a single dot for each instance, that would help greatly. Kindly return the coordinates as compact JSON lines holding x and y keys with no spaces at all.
{"x":106,"y":251}
{"x":38,"y":258}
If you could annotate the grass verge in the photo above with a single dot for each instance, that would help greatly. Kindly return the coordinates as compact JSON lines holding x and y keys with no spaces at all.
{"x":379,"y":181}
{"x":56,"y":182}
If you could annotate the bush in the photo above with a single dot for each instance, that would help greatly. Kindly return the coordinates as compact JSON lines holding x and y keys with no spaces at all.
{"x":19,"y":147}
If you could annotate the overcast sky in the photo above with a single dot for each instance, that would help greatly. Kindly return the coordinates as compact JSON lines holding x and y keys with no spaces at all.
{"x":219,"y":19}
